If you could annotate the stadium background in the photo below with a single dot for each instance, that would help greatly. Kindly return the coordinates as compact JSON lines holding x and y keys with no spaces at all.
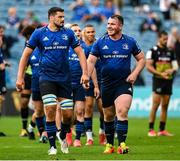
{"x":13,"y":147}
{"x":133,"y":15}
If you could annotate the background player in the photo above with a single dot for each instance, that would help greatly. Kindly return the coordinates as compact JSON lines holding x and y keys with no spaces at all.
{"x":162,"y":63}
{"x":92,"y":94}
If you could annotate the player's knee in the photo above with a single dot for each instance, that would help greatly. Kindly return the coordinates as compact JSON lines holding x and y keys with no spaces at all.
{"x":66,"y":104}
{"x":24,"y":100}
{"x":109,"y":114}
{"x":27,"y":96}
{"x":108,"y":117}
{"x":49,"y":100}
{"x":165,"y":107}
{"x":68,"y":118}
{"x":39,"y":112}
{"x":89,"y":110}
{"x":80,"y":113}
{"x":122,"y":111}
{"x":50,"y":113}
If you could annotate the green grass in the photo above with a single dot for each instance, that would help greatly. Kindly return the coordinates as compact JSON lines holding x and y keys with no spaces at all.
{"x":13,"y":147}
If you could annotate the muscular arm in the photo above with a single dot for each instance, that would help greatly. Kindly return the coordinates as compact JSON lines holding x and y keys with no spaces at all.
{"x":22,"y":66}
{"x":95,"y":82}
{"x":151,"y":69}
{"x":94,"y":78}
{"x":83,"y":63}
{"x":140,"y":63}
{"x":91,"y":61}
{"x":139,"y":67}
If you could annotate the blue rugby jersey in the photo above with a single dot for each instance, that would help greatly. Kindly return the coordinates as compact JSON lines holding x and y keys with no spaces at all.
{"x":115,"y":58}
{"x":54,"y":47}
{"x":34,"y":63}
{"x":1,"y":57}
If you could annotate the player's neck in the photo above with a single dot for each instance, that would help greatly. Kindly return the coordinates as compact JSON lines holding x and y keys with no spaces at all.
{"x":52,"y":27}
{"x":89,"y":42}
{"x":160,"y":45}
{"x":116,"y":37}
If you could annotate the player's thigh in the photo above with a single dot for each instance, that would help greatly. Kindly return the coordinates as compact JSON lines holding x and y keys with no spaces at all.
{"x":156,"y":99}
{"x":123,"y":103}
{"x":89,"y":102}
{"x":49,"y":96}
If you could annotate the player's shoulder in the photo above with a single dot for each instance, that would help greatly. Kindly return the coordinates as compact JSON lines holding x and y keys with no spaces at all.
{"x":128,"y":38}
{"x":154,"y":48}
{"x":41,"y":29}
{"x":67,"y":30}
{"x":103,"y":37}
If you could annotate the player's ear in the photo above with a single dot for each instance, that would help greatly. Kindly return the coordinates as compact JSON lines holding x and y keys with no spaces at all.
{"x":120,"y":26}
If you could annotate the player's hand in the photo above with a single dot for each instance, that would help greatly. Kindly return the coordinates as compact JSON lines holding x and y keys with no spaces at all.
{"x":96,"y":92}
{"x":169,"y":71}
{"x":85,"y":81}
{"x":165,"y":75}
{"x":131,"y":78}
{"x":19,"y":84}
{"x":2,"y":66}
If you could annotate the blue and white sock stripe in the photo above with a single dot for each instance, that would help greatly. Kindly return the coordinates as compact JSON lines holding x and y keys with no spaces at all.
{"x":49,"y":99}
{"x":80,"y":127}
{"x":121,"y":127}
{"x":51,"y":128}
{"x":66,"y":104}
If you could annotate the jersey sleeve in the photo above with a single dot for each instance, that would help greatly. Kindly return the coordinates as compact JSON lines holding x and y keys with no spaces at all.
{"x":34,"y":40}
{"x":136,"y":48}
{"x":74,"y":40}
{"x":1,"y":57}
{"x":150,"y":54}
{"x":95,"y":49}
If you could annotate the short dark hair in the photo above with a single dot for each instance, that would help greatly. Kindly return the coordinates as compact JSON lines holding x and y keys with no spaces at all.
{"x":74,"y":24}
{"x":28,"y":30}
{"x":2,"y":27}
{"x":53,"y":10}
{"x":163,"y":32}
{"x":88,"y":25}
{"x":120,"y":18}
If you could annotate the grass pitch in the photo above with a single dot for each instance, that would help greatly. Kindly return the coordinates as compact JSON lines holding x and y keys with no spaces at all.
{"x":13,"y":147}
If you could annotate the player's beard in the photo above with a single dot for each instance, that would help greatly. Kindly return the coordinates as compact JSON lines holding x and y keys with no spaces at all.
{"x":164,"y":44}
{"x":59,"y":25}
{"x":91,"y":38}
{"x":113,"y":32}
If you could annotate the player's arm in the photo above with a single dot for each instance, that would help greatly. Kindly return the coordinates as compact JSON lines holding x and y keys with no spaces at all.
{"x":83,"y":63}
{"x":95,"y":83}
{"x":150,"y":67}
{"x":174,"y":65}
{"x":22,"y":66}
{"x":139,"y":67}
{"x":91,"y":61}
